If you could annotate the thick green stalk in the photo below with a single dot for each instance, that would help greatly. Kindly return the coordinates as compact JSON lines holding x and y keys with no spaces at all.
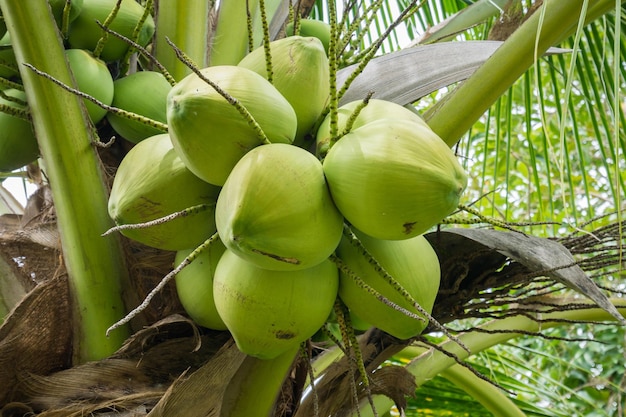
{"x":95,"y":264}
{"x":453,"y":117}
{"x":254,"y":388}
{"x":230,"y":41}
{"x":186,"y":24}
{"x":487,"y":394}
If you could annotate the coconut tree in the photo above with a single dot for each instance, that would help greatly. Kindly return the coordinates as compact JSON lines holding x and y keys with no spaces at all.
{"x":527,"y":95}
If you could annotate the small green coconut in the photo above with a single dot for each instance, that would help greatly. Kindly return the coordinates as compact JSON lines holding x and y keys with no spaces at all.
{"x":194,"y":285}
{"x":152,"y":182}
{"x":271,"y":312}
{"x":143,"y":93}
{"x":18,"y":144}
{"x":394,"y":179}
{"x":413,"y":263}
{"x":311,"y":27}
{"x":373,"y":111}
{"x":92,"y":77}
{"x":57,"y":7}
{"x":85,"y":33}
{"x":210,"y":134}
{"x":275,"y":209}
{"x":300,"y":72}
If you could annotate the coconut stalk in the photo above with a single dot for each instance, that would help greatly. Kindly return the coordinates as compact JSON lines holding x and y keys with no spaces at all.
{"x":187,"y":25}
{"x":230,"y":40}
{"x":238,"y":28}
{"x":552,"y":23}
{"x":95,"y":264}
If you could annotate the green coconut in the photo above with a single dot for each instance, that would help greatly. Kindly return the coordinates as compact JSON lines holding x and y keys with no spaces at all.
{"x":373,"y":111}
{"x":311,"y":27}
{"x":85,"y":33}
{"x":194,"y":285}
{"x":411,"y":262}
{"x":210,"y":134}
{"x":275,"y":209}
{"x":92,"y":77}
{"x":57,"y":7}
{"x":152,"y":182}
{"x":394,"y":179}
{"x":271,"y":312}
{"x":144,"y":93}
{"x":300,"y":72}
{"x":18,"y":144}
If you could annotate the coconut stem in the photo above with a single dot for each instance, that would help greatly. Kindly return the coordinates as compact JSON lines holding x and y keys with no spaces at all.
{"x":294,"y":16}
{"x":266,"y":43}
{"x":359,"y":21}
{"x":135,"y":36}
{"x":249,"y":27}
{"x":14,"y":111}
{"x":183,"y":213}
{"x":343,"y":318}
{"x":346,"y":328}
{"x":332,"y":65}
{"x":305,"y":352}
{"x":11,"y":84}
{"x":230,"y":99}
{"x":484,"y":219}
{"x":129,"y":115}
{"x":144,"y":304}
{"x":368,"y":55}
{"x":105,"y":36}
{"x":481,"y":219}
{"x":65,"y":21}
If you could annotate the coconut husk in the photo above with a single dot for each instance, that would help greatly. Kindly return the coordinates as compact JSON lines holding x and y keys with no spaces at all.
{"x":133,"y":380}
{"x":35,"y":337}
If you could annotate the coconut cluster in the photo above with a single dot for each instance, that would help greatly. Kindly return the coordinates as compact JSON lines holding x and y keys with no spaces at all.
{"x":292,"y":208}
{"x":297,"y":228}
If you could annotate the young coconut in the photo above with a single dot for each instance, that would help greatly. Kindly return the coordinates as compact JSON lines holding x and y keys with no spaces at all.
{"x":411,"y":262}
{"x":57,"y":7}
{"x":210,"y":134}
{"x":85,"y":33}
{"x":373,"y":111}
{"x":393,"y":179}
{"x":194,"y":285}
{"x":92,"y":77}
{"x":300,"y":72}
{"x":152,"y":182}
{"x":271,"y":312}
{"x":311,"y":27}
{"x":275,"y":210}
{"x":18,"y":144}
{"x":143,"y":93}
